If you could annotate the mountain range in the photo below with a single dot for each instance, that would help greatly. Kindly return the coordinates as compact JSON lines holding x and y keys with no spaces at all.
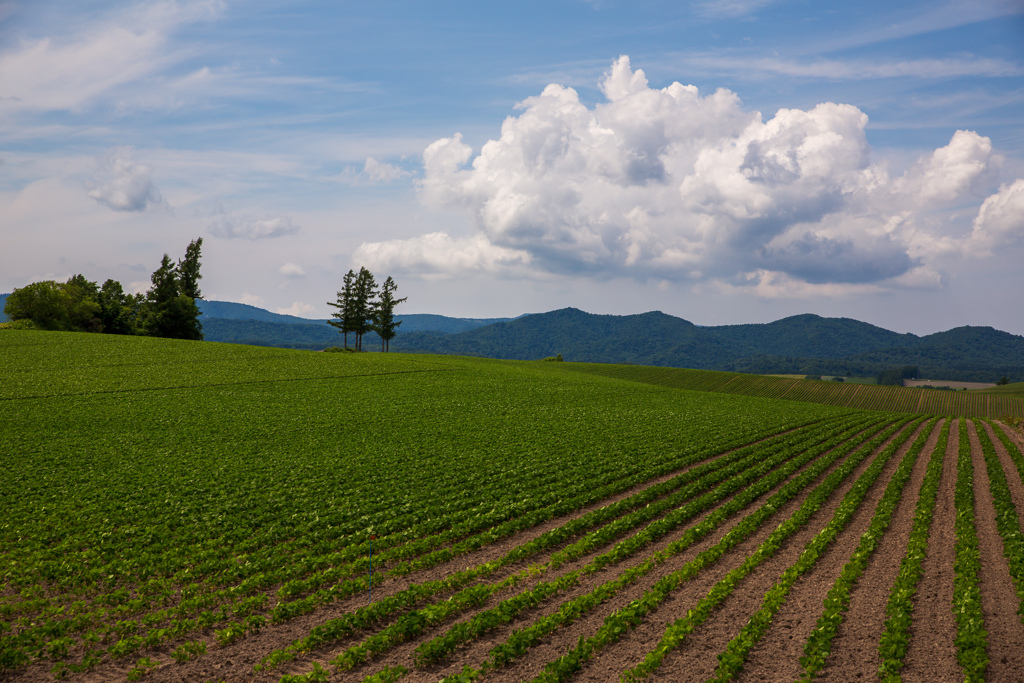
{"x":802,"y":344}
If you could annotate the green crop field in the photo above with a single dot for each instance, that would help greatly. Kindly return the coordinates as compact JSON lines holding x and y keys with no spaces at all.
{"x":995,"y":403}
{"x":196,"y":511}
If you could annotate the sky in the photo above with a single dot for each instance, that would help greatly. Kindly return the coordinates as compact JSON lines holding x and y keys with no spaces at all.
{"x":724,"y":161}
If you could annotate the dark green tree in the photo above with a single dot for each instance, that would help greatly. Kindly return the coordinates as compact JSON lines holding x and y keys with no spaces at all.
{"x":363,"y":305}
{"x":188,"y":270}
{"x":345,"y":304}
{"x":116,"y":309}
{"x":69,"y":306}
{"x":384,"y":314}
{"x":168,"y":312}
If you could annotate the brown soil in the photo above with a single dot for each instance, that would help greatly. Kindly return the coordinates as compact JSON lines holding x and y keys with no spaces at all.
{"x":698,"y":656}
{"x":778,"y":654}
{"x":236,"y":661}
{"x":1005,"y":631}
{"x":632,"y":647}
{"x":932,"y":652}
{"x":1013,"y":479}
{"x":477,"y":652}
{"x":854,"y":653}
{"x":932,"y":655}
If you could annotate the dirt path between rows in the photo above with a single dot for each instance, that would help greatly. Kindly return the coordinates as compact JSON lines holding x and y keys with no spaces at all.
{"x":854,"y":654}
{"x":777,"y":656}
{"x":236,"y":661}
{"x":932,"y":652}
{"x":557,"y":643}
{"x":695,"y":660}
{"x":252,"y":649}
{"x":1005,"y":631}
{"x":476,"y":652}
{"x":1013,"y":478}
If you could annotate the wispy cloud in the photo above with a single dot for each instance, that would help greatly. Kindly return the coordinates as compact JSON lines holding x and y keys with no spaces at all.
{"x":855,"y":69}
{"x":240,"y":227}
{"x":373,"y":173}
{"x":911,"y":22}
{"x":69,"y":72}
{"x":729,"y":9}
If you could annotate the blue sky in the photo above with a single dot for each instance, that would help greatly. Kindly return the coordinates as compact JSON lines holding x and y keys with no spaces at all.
{"x":724,"y":161}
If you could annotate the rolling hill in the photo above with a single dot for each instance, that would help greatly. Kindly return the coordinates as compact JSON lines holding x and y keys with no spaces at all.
{"x":803,"y":344}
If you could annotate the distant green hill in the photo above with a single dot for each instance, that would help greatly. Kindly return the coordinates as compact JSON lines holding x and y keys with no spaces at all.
{"x":802,"y":345}
{"x":226,"y":321}
{"x":798,"y":345}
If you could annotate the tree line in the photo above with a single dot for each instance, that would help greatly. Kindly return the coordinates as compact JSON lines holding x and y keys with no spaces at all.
{"x":168,"y":309}
{"x":363,"y":308}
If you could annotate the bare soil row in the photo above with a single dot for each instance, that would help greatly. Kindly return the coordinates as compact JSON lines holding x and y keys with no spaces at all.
{"x":775,"y":657}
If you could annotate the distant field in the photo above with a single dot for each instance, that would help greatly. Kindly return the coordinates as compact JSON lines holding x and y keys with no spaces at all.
{"x":1015,"y":389}
{"x":186,"y":511}
{"x":945,"y":383}
{"x":845,"y":394}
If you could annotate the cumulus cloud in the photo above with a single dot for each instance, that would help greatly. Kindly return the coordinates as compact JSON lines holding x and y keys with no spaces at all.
{"x":1000,"y":220}
{"x":236,"y":227}
{"x":299,"y":309}
{"x":439,"y":254}
{"x":676,"y":184}
{"x":122,"y":184}
{"x":950,"y":172}
{"x":292,"y":271}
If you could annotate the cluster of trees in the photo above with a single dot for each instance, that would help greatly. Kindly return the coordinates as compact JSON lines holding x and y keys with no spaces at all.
{"x":363,"y":308}
{"x":168,"y":309}
{"x":895,"y":376}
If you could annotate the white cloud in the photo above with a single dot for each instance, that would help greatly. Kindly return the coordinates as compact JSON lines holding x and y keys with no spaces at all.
{"x":857,"y":69}
{"x":70,"y":72}
{"x":292,"y":271}
{"x":122,"y":184}
{"x":299,"y":309}
{"x":677,"y":185}
{"x":380,"y":172}
{"x":252,"y":300}
{"x":438,"y":254}
{"x":236,"y":227}
{"x":951,"y":171}
{"x":721,"y":9}
{"x":374,"y":173}
{"x":1000,"y":220}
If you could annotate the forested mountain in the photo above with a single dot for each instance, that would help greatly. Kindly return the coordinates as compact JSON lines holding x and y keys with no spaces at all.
{"x":225,"y":321}
{"x":802,"y":344}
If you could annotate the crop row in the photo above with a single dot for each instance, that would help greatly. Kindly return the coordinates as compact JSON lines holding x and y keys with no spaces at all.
{"x":735,"y":654}
{"x":697,"y":480}
{"x":520,"y":642}
{"x":119,"y":572}
{"x":751,"y":477}
{"x":895,"y":640}
{"x":850,"y":395}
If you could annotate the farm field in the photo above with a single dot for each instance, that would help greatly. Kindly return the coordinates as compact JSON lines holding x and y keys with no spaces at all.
{"x":181,"y":511}
{"x":986,"y":403}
